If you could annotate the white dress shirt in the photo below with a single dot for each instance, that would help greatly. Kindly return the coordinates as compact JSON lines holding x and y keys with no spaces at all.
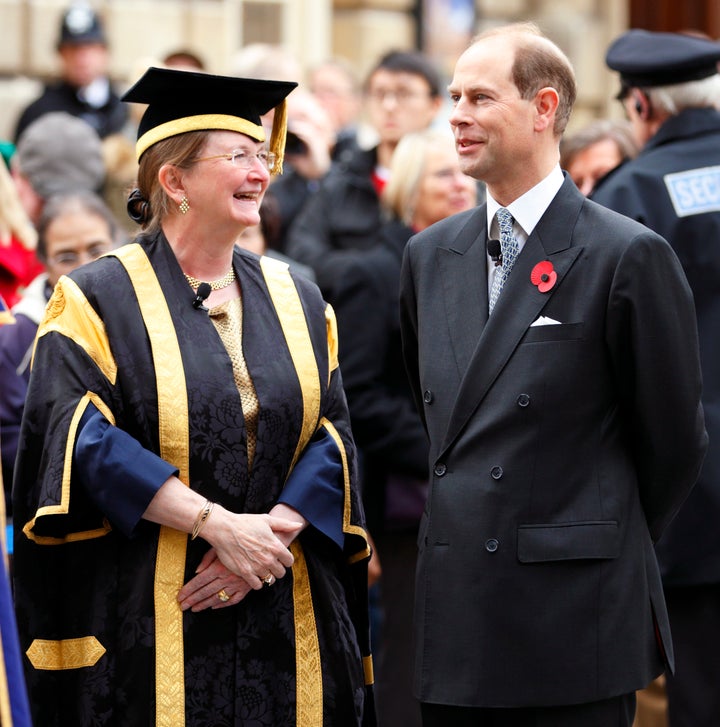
{"x":526,"y":211}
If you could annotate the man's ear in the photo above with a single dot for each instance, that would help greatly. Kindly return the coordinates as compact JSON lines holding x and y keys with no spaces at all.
{"x":171,"y":180}
{"x":546,"y":103}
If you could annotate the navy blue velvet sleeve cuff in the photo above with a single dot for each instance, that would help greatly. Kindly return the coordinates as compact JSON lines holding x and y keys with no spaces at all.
{"x":315,"y":487}
{"x":119,"y":475}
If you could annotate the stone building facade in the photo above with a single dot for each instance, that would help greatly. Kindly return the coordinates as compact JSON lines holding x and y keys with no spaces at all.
{"x":359,"y":30}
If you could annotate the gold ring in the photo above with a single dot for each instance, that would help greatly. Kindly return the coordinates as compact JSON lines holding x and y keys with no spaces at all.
{"x":269,"y":579}
{"x":223,"y":596}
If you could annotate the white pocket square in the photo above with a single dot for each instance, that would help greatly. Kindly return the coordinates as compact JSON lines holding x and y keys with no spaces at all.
{"x":545,"y":321}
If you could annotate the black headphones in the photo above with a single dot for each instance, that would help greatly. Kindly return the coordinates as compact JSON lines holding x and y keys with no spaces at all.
{"x":638,"y":107}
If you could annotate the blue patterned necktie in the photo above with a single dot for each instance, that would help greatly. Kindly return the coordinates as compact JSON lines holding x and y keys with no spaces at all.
{"x":509,"y":249}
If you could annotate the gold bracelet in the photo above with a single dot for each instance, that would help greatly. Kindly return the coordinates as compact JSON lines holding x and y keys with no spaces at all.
{"x":201,"y":519}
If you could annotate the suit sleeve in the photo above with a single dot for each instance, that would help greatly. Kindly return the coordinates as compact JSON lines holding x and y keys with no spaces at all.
{"x":652,"y":336}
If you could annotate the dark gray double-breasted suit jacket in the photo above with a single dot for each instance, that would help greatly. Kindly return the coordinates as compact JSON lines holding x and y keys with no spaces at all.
{"x":558,"y":453}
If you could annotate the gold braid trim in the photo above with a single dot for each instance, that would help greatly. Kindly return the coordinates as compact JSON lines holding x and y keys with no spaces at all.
{"x":69,"y":313}
{"x":289,"y":309}
{"x":288,"y":306}
{"x":65,"y":653}
{"x":348,"y":527}
{"x":173,"y":423}
{"x":308,"y":672}
{"x":63,"y":507}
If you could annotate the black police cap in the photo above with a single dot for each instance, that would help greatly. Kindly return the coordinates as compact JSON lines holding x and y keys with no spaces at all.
{"x":80,"y":26}
{"x":181,"y":101}
{"x":644,"y":58}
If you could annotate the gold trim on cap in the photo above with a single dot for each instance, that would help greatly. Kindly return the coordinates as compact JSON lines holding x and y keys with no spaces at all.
{"x":201,"y":122}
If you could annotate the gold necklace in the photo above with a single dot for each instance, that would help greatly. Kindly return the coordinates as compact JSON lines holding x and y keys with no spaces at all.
{"x":224,"y":282}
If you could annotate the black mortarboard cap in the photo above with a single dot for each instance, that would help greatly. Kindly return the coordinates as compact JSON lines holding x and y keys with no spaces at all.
{"x":644,"y":58}
{"x":80,"y":25}
{"x":181,"y":101}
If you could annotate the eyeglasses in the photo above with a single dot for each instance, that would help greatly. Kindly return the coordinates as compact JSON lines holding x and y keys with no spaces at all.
{"x":402,"y":95}
{"x":245,"y":159}
{"x":74,"y":257}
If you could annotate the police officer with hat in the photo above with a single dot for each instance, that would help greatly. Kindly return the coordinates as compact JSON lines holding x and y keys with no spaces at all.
{"x":670,"y":89}
{"x":84,"y":89}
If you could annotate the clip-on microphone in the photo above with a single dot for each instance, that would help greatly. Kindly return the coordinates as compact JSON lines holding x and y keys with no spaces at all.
{"x":202,"y":292}
{"x":493,"y":249}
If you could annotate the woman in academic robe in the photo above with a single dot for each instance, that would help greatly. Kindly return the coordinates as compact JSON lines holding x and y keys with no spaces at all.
{"x":190,"y":544}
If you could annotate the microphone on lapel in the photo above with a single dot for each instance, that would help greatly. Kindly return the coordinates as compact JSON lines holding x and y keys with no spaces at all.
{"x":493,"y":249}
{"x":201,"y":294}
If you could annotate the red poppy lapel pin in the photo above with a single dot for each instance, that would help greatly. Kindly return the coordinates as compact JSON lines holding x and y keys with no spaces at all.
{"x":543,"y":276}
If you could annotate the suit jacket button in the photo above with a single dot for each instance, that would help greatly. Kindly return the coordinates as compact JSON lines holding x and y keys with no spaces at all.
{"x":491,"y":545}
{"x":440,"y":469}
{"x":523,"y":400}
{"x":496,"y":472}
{"x":427,"y":396}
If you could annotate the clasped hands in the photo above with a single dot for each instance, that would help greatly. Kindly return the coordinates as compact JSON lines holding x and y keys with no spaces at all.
{"x":246,"y":550}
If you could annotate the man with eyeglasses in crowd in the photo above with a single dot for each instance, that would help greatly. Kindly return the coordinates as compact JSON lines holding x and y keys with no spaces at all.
{"x":403,"y":95}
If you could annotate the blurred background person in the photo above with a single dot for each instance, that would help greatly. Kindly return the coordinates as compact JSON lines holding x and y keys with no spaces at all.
{"x":57,"y":153}
{"x":183,"y":59}
{"x":264,"y":239}
{"x":308,"y":157}
{"x":426,"y":185}
{"x":403,"y":94}
{"x":590,"y":154}
{"x":670,"y":90}
{"x":18,"y":263}
{"x":267,"y":61}
{"x":83,"y":89}
{"x":72,"y":230}
{"x":336,"y":86}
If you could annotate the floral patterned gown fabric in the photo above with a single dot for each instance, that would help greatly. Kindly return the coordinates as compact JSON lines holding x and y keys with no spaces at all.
{"x":105,"y":644}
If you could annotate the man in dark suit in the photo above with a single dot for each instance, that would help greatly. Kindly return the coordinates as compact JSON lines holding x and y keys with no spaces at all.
{"x":561,"y":393}
{"x":670,"y":88}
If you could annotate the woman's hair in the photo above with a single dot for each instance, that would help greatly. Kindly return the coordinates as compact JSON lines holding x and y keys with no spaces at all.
{"x":619,"y":132}
{"x":149,"y":204}
{"x":539,"y":63}
{"x":13,"y":217}
{"x":61,"y":204}
{"x":406,"y":171}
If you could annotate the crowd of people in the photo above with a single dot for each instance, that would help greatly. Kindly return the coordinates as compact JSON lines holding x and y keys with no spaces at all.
{"x":384,"y":401}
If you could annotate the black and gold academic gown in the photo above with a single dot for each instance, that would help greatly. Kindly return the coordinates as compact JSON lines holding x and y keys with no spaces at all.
{"x":96,"y":586}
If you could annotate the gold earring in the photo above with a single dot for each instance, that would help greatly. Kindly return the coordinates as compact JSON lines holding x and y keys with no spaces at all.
{"x":184,"y":205}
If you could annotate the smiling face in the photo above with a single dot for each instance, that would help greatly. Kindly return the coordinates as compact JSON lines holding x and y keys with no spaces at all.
{"x":493,"y":125}
{"x":221,"y":194}
{"x":508,"y":141}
